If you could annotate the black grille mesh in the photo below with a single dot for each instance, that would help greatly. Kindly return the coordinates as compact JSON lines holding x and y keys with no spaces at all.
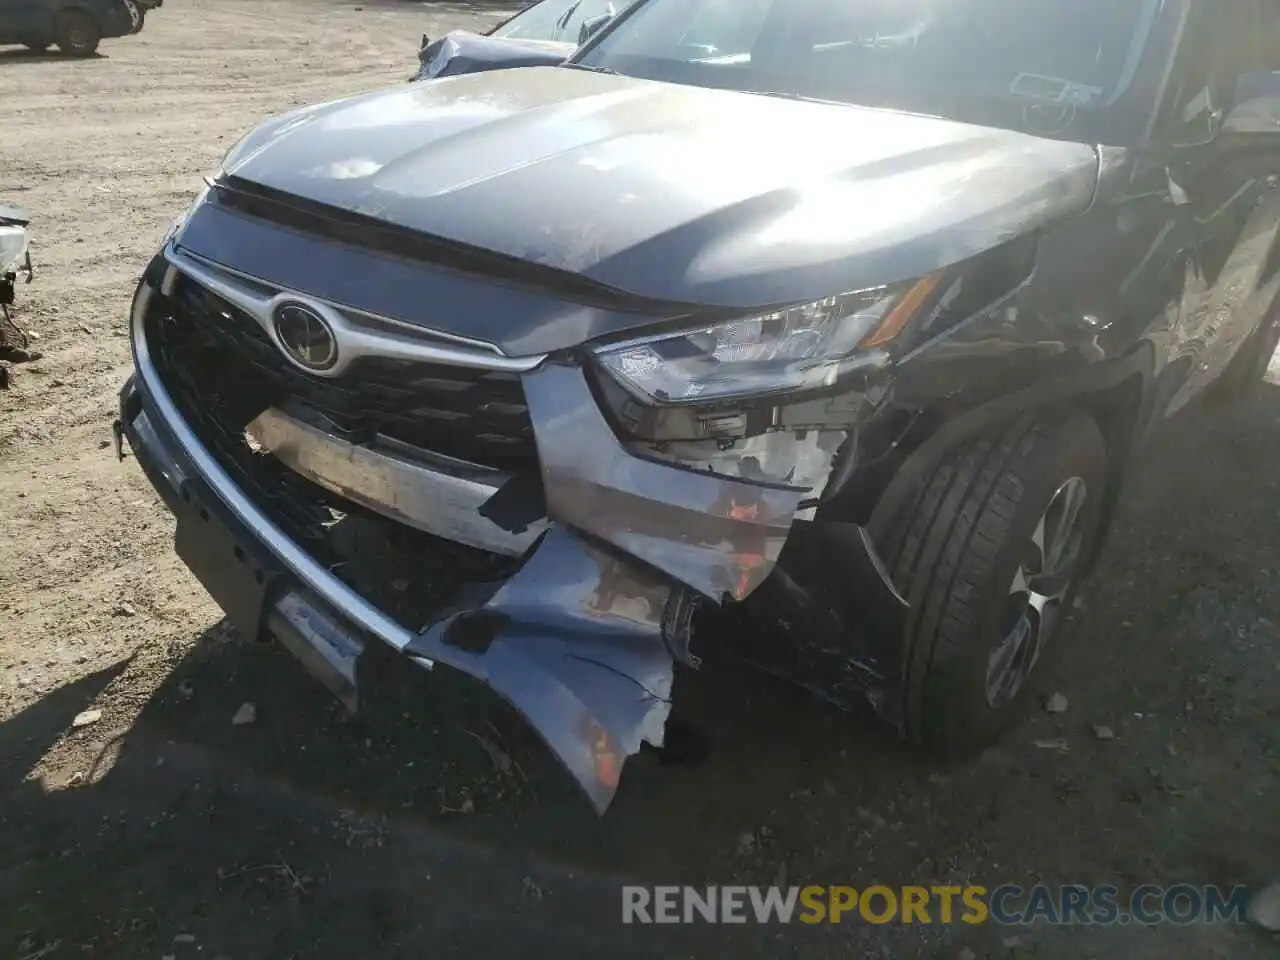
{"x":221,"y":371}
{"x":474,"y":415}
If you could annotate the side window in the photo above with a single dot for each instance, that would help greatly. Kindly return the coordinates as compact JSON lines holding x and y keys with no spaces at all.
{"x":1221,"y":42}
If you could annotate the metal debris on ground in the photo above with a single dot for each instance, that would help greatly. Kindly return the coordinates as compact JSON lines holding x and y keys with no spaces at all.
{"x":1056,"y":704}
{"x":126,"y":609}
{"x":246,"y":715}
{"x":86,"y":717}
{"x":1060,"y":746}
{"x":1103,"y":732}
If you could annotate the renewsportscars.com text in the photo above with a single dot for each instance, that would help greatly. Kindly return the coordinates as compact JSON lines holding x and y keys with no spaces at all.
{"x":1006,"y":904}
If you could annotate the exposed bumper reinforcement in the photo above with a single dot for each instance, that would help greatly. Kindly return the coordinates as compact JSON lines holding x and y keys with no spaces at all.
{"x":328,"y":648}
{"x":443,"y":499}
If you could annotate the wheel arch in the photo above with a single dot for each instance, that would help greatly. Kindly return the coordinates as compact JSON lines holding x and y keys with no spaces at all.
{"x":1117,"y":394}
{"x":76,"y":7}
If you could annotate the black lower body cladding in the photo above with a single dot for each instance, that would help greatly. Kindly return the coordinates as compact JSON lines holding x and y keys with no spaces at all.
{"x":579,"y":627}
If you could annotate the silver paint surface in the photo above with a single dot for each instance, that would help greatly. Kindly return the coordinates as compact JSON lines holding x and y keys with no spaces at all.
{"x":672,"y":192}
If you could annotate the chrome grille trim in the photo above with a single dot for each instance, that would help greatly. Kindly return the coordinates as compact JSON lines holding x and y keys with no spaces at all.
{"x":358,"y":333}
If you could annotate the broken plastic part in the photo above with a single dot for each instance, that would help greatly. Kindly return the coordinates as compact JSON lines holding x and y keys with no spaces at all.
{"x":799,"y":459}
{"x":718,"y":536}
{"x":575,"y":644}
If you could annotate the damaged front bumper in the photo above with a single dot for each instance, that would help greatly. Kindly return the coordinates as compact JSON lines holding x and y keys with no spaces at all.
{"x":582,"y":638}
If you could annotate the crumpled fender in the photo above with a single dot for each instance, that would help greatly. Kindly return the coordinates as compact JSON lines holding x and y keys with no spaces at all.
{"x":717,"y":535}
{"x":574,"y":641}
{"x":583,"y":639}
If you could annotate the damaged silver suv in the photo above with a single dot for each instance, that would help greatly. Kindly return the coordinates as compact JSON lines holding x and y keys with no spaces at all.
{"x":838,"y":318}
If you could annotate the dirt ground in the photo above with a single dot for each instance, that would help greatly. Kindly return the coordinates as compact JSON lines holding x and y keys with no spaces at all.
{"x":308,"y":834}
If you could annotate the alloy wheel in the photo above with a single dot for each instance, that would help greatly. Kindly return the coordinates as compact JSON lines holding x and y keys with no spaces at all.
{"x":1036,"y":594}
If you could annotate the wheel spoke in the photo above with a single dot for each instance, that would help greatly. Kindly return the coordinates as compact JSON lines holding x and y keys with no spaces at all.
{"x":1036,"y":556}
{"x":1062,"y":533}
{"x":1002,"y":672}
{"x":1021,"y":582}
{"x":1039,"y":585}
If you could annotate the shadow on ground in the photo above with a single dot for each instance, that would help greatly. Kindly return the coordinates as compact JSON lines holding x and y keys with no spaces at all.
{"x":20,"y":55}
{"x":436,"y":820}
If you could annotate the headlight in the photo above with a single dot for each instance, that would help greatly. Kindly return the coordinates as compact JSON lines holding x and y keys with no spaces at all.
{"x":798,"y":348}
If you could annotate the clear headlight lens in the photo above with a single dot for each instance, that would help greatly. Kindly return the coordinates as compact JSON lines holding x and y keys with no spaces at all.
{"x":799,"y":348}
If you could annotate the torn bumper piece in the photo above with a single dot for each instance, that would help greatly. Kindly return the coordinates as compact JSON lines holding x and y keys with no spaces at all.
{"x":581,"y":639}
{"x":575,"y":642}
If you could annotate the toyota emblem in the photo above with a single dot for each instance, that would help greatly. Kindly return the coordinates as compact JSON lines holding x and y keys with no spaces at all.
{"x":306,"y":336}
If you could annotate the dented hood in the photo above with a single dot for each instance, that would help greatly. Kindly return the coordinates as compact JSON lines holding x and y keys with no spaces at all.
{"x":667,"y":191}
{"x":462,"y":51}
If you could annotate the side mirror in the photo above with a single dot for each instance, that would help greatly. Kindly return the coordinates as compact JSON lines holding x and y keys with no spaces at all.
{"x":592,"y":26}
{"x":1253,"y":123}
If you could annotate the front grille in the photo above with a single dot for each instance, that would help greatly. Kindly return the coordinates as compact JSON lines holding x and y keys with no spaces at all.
{"x":210,"y":359}
{"x":475,"y":415}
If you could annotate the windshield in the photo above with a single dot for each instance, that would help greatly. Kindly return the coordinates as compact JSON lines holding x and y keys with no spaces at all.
{"x":1038,"y":65}
{"x":555,"y":19}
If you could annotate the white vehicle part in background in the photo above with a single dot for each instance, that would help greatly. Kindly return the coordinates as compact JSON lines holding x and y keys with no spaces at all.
{"x":13,"y":247}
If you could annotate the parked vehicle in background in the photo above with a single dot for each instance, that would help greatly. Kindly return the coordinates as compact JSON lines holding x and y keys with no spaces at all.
{"x":542,"y":34}
{"x":839,"y":318}
{"x":75,"y":26}
{"x":15,"y":262}
{"x":138,"y":11}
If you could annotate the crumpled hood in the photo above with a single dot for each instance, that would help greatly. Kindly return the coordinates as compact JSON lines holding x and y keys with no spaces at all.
{"x":462,"y":51}
{"x":672,"y":192}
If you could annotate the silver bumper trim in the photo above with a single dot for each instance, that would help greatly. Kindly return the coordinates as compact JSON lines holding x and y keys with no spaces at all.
{"x":357,"y":334}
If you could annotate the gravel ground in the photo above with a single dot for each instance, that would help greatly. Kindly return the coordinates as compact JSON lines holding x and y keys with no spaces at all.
{"x":308,"y":834}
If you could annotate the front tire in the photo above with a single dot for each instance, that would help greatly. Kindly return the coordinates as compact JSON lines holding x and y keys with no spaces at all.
{"x":988,"y":558}
{"x":77,"y":34}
